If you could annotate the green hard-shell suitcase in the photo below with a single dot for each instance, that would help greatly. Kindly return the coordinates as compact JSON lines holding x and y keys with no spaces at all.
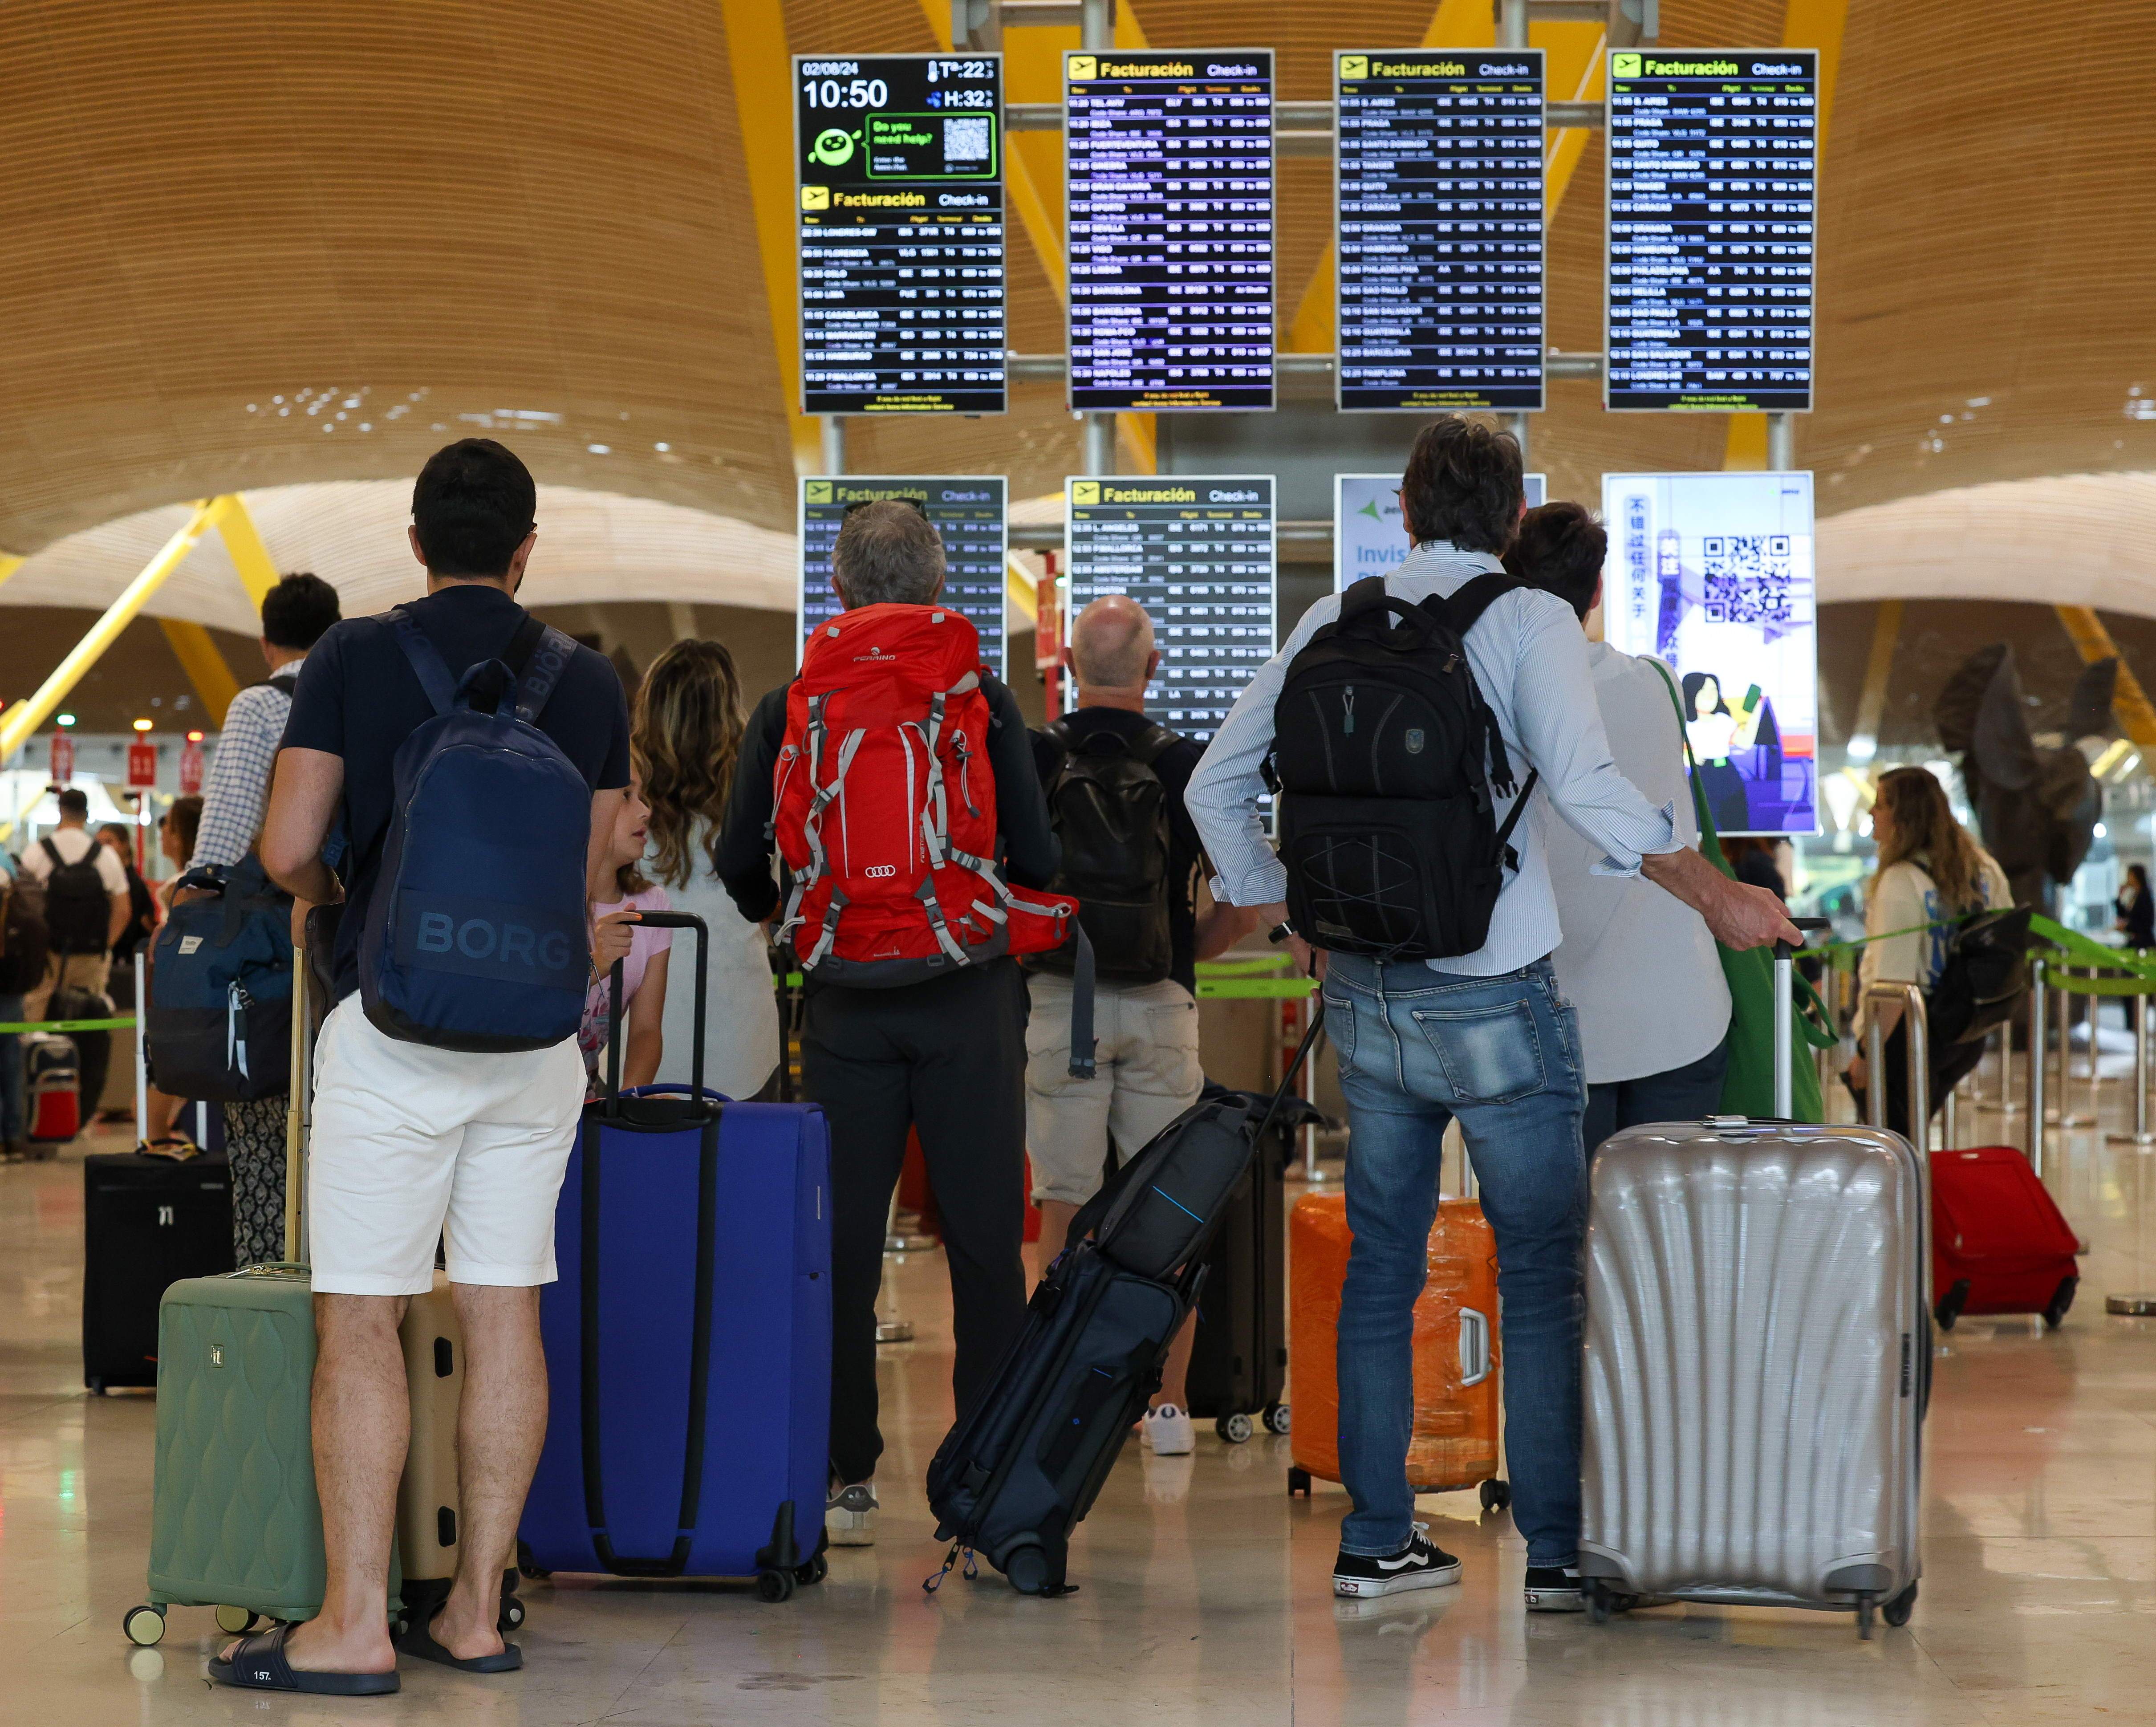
{"x":236,"y":1524}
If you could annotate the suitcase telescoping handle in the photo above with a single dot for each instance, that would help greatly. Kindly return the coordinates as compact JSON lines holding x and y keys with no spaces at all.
{"x":1785,"y":1026}
{"x":1294,"y":1068}
{"x":657,"y":920}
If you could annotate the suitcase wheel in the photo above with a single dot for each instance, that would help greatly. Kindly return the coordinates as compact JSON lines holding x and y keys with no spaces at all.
{"x":512,"y":1614}
{"x":1298,"y":1482}
{"x":1600,"y":1600}
{"x":2062,"y":1297}
{"x":1950,"y":1304}
{"x":144,"y":1626}
{"x":1277,"y":1418}
{"x":1897,"y":1610}
{"x":1027,"y":1568}
{"x":524,"y":1567}
{"x":1496,"y":1495}
{"x":774,"y":1585}
{"x":815,"y":1571}
{"x":238,"y":1621}
{"x":1236,"y":1429}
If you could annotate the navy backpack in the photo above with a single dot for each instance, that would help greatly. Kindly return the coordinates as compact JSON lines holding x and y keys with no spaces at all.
{"x":219,"y":1024}
{"x":476,"y":935}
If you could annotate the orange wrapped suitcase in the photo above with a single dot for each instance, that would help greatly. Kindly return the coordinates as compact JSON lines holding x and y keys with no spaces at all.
{"x":1455,"y":1445}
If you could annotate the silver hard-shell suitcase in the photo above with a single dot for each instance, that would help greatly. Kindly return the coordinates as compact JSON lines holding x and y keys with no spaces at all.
{"x":1755,"y":1365}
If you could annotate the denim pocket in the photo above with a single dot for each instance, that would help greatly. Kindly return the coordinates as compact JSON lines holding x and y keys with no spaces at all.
{"x":1340,"y":1025}
{"x":1490,"y":1055}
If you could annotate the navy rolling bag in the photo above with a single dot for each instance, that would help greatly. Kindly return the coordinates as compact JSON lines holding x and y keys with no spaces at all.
{"x":689,"y":1338}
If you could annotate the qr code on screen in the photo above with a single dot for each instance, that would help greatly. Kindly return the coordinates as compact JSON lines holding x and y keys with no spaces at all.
{"x":1747,"y":578}
{"x":966,"y":138}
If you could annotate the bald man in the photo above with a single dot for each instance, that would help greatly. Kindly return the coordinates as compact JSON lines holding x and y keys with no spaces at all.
{"x":1115,"y":782}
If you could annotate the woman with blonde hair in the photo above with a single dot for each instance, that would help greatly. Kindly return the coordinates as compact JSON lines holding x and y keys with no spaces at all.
{"x":685,"y":739}
{"x":1930,"y":874}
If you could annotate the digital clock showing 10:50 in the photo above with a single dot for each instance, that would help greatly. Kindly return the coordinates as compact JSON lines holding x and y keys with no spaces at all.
{"x":899,"y":163}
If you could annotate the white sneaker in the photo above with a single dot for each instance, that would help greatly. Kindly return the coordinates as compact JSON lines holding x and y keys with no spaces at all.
{"x":849,"y":1515}
{"x":1167,"y":1431}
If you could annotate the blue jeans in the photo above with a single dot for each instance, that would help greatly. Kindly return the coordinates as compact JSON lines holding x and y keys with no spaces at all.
{"x":11,"y":1124}
{"x":1418,"y":1047}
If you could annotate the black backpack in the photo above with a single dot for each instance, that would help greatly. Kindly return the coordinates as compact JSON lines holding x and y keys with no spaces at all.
{"x":1986,"y":975}
{"x":1110,"y":809}
{"x":78,"y":910}
{"x":23,"y":943}
{"x":1388,"y":759}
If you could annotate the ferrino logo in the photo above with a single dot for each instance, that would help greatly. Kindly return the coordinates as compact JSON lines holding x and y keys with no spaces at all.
{"x":874,"y":653}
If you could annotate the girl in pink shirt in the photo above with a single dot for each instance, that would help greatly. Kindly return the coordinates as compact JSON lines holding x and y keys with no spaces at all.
{"x":643,"y":972}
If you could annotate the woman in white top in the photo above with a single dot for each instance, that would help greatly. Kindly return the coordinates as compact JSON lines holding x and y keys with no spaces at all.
{"x":685,"y":739}
{"x":1930,"y":873}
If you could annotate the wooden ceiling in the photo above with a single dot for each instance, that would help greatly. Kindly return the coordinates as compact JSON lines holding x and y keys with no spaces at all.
{"x":409,"y":219}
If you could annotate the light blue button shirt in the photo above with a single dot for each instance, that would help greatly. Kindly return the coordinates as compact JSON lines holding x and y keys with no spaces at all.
{"x":1530,"y":659}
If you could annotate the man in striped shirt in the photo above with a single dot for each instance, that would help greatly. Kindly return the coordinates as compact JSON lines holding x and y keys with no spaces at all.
{"x":294,"y":614}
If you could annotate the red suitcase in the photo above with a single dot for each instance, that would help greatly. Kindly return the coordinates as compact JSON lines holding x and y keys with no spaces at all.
{"x":2000,"y":1244}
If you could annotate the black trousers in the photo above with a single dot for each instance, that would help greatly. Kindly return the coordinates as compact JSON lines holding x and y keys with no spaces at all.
{"x":947,"y":1056}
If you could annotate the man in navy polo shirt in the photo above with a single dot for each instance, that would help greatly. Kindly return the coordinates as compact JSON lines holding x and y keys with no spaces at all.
{"x":412,"y":1142}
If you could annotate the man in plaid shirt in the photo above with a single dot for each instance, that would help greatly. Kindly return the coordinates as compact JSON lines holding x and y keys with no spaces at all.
{"x":294,"y":613}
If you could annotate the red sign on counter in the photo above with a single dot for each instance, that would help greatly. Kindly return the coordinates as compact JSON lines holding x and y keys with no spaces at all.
{"x":62,"y":758}
{"x":141,"y":764}
{"x":191,"y":769}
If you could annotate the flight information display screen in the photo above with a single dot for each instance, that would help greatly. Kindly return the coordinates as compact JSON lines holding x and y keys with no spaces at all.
{"x":1713,"y":168}
{"x":1197,"y":554}
{"x":1369,"y":529}
{"x":1438,"y":204}
{"x":967,"y":511}
{"x":1168,"y":216}
{"x":899,"y":159}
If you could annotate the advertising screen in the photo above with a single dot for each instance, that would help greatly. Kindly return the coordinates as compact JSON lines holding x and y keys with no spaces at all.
{"x":1438,"y":206}
{"x":1168,"y":217}
{"x":1369,"y":537}
{"x":1711,"y":574}
{"x":899,"y":164}
{"x":1197,"y":554}
{"x":967,"y":511}
{"x":1713,"y":171}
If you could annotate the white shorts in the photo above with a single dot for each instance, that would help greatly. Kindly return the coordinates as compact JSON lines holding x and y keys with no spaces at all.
{"x":411,"y":1142}
{"x":1147,"y":1074}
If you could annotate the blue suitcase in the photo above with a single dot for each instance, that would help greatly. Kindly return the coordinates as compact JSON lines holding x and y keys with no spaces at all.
{"x":688,"y":1339}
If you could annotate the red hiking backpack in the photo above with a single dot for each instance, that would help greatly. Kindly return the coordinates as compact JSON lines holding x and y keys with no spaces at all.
{"x":884,"y":806}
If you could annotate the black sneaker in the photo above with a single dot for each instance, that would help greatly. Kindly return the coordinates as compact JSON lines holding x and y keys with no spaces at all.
{"x":1554,"y":1589}
{"x":1422,"y":1564}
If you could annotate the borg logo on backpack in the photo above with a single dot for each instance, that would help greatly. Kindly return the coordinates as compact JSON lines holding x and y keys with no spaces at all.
{"x":483,"y":795}
{"x":1388,"y":761}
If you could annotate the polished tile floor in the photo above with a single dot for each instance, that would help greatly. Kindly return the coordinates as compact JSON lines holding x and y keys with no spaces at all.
{"x":1205,"y":1590}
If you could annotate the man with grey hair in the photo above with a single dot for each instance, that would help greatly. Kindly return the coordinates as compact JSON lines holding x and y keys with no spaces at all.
{"x":1115,"y":782}
{"x":945,"y":1056}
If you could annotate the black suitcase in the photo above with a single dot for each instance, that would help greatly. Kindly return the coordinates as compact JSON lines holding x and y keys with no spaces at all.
{"x":93,"y":1049}
{"x":1021,"y":1467}
{"x":1239,"y":1357}
{"x":147,"y":1223}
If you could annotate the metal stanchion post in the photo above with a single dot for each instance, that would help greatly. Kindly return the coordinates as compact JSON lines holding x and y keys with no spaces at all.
{"x":2008,"y":1105}
{"x":2140,"y":1136}
{"x":1917,"y":1043}
{"x":2039,"y":993}
{"x":2063,"y":1001}
{"x":1949,"y":1119}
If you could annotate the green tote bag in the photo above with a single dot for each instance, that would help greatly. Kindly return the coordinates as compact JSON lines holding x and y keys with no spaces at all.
{"x":1747,"y":1088}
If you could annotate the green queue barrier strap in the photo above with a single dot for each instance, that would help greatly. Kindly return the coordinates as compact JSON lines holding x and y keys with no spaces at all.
{"x":1260,"y":965}
{"x":1254,"y":989}
{"x":18,"y":1026}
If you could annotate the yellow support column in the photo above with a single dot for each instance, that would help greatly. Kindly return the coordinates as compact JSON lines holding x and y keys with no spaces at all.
{"x":763,"y":104}
{"x":2129,"y":701}
{"x":20,"y":721}
{"x":243,"y":545}
{"x":191,"y":645}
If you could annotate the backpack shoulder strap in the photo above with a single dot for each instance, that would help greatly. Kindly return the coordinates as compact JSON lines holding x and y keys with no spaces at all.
{"x":549,"y":657}
{"x":1469,"y":603}
{"x":53,"y":852}
{"x":426,"y":661}
{"x":1154,"y":743}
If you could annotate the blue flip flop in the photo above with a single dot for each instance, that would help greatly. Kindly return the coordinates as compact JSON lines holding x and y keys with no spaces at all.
{"x":419,"y":1641}
{"x":258,"y":1663}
